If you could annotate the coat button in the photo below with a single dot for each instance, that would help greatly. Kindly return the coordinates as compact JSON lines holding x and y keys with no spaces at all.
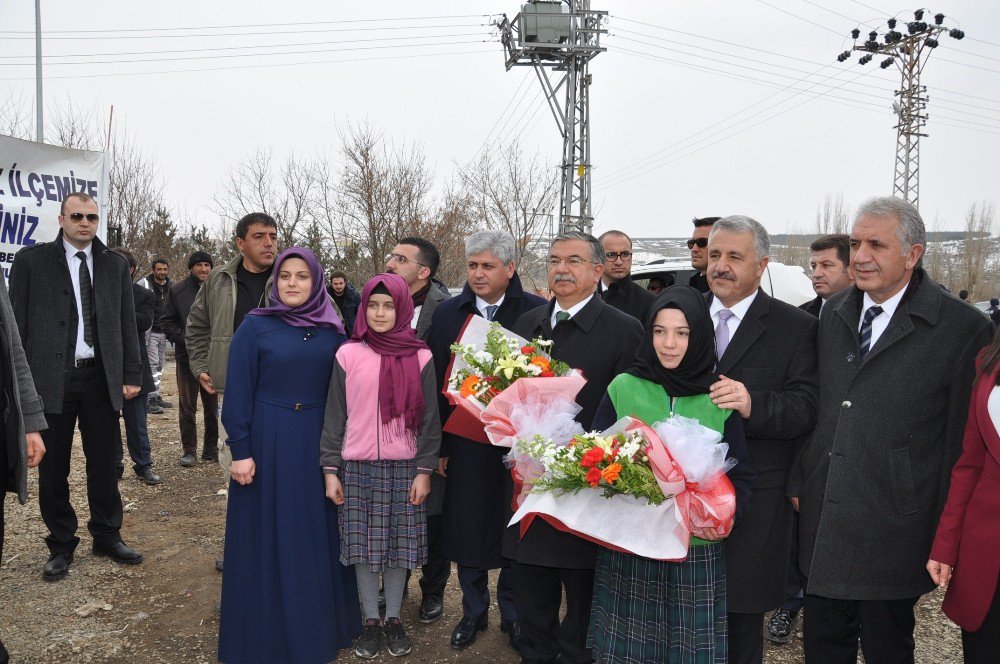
{"x":62,"y":323}
{"x":845,"y":405}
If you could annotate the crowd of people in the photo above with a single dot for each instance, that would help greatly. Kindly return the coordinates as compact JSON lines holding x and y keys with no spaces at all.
{"x":863,"y":426}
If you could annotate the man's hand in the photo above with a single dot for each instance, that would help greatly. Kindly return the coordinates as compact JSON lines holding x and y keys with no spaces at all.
{"x":206,"y":382}
{"x":731,"y":394}
{"x":442,"y":468}
{"x":36,"y":448}
{"x":243,"y":471}
{"x":795,"y":502}
{"x":940,"y":572}
{"x":130,"y":391}
{"x":334,"y":489}
{"x":708,"y":534}
{"x":420,"y":489}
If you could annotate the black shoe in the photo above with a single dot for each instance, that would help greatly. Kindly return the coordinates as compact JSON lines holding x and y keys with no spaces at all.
{"x":57,"y":567}
{"x":120,"y":552}
{"x":208,"y":457}
{"x":464,"y":635}
{"x":431,"y":609}
{"x":4,"y":655}
{"x":148,"y":476}
{"x":781,"y":625}
{"x":512,"y":629}
{"x":163,"y":404}
{"x":396,"y":640}
{"x":218,"y":563}
{"x":368,"y":644}
{"x":188,"y":459}
{"x":153,"y":408}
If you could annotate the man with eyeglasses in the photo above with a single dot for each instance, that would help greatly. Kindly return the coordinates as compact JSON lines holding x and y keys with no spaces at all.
{"x":616,"y":286}
{"x":416,"y":260}
{"x":600,"y":341}
{"x":698,"y":246}
{"x":73,"y":303}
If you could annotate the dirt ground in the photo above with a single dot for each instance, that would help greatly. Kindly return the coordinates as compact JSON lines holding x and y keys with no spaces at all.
{"x":167,"y":608}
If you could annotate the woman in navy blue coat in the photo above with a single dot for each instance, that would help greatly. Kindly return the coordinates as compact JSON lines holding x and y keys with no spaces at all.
{"x":285,"y":595}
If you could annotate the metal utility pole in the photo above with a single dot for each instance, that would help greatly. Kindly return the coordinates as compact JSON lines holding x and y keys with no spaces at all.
{"x":909,"y":53}
{"x":39,"y":133}
{"x":548,"y":37}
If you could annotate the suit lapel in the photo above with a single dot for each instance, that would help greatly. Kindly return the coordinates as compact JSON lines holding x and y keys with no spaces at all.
{"x":749,"y":330}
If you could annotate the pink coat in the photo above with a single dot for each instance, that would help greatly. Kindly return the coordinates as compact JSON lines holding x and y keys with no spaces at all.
{"x":967,"y":531}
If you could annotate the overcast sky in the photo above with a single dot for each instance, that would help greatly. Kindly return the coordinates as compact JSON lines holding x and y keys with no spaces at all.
{"x":706,"y":107}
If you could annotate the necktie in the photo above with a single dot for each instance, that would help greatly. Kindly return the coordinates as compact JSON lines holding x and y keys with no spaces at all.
{"x":491,"y":311}
{"x":722,"y":332}
{"x":866,"y":328}
{"x":561,"y":317}
{"x":86,"y":299}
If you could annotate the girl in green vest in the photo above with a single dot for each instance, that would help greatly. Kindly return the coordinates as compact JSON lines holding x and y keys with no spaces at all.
{"x":648,"y":610}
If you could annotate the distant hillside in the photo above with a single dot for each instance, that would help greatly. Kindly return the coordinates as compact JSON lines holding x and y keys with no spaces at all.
{"x":804,"y":239}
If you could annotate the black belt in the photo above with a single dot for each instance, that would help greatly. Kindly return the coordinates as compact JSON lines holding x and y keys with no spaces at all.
{"x":86,"y":362}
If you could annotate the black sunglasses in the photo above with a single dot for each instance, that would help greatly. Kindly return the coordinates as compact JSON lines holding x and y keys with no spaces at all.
{"x":79,"y":216}
{"x":702,"y":242}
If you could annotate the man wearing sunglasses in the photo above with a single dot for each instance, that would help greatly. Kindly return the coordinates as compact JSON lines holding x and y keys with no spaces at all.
{"x":616,"y":286}
{"x":698,"y":246}
{"x":73,"y":303}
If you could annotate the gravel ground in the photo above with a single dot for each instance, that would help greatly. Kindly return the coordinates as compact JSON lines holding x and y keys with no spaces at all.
{"x":166,"y":609}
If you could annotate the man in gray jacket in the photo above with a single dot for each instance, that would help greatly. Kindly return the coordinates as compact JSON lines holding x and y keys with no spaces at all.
{"x":21,"y":445}
{"x":896,"y":365}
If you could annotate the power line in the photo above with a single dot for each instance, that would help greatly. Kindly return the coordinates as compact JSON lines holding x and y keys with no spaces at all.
{"x":785,"y":11}
{"x":827,"y":9}
{"x":503,"y":113}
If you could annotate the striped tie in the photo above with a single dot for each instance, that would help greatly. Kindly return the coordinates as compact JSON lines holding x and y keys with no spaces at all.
{"x":86,"y":299}
{"x":866,"y":328}
{"x":491,"y":311}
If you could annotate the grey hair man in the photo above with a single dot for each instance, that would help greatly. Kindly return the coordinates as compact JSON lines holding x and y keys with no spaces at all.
{"x":767,"y":372}
{"x":897,"y":354}
{"x":474,"y":513}
{"x":616,"y":285}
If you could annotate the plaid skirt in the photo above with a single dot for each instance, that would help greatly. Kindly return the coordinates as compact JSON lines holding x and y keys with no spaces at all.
{"x":378,"y":525}
{"x":651,"y":611}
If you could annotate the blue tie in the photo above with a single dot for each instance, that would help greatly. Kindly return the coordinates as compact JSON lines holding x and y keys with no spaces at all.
{"x":866,"y":328}
{"x":491,"y":311}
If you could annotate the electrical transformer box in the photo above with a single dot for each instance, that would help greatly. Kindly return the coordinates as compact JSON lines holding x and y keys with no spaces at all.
{"x":544,"y":22}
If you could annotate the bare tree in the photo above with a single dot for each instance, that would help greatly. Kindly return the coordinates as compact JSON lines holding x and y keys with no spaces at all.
{"x":831,"y":217}
{"x":509,"y":192}
{"x":980,"y":226}
{"x":14,"y":118}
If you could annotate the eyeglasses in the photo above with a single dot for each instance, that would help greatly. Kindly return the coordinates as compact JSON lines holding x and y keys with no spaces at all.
{"x":79,"y":216}
{"x":572,"y":261}
{"x":401,"y":259}
{"x":615,"y":255}
{"x":702,"y":242}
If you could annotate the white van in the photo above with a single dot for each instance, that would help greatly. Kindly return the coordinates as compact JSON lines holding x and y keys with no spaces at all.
{"x":785,"y":282}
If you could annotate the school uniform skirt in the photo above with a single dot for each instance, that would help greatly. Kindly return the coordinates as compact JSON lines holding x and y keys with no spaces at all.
{"x":651,"y":611}
{"x":378,"y":525}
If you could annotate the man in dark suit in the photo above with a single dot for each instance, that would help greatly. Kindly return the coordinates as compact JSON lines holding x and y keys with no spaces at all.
{"x":173,"y":322}
{"x":897,"y":360}
{"x":767,"y":370}
{"x":21,"y":418}
{"x":134,"y":411}
{"x":616,"y":286}
{"x":73,"y":302}
{"x":417,"y":260}
{"x":698,"y":246}
{"x":831,"y":255}
{"x":475,"y":514}
{"x":599,"y":340}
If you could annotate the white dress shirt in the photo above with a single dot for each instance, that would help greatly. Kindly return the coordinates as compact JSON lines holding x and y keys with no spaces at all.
{"x":572,"y":311}
{"x":993,"y":406}
{"x":481,"y":304}
{"x":416,"y":317}
{"x":880,"y":322}
{"x":83,"y":351}
{"x":739,"y":311}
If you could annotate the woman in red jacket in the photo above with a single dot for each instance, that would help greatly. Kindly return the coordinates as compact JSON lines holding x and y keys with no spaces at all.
{"x":965,"y":556}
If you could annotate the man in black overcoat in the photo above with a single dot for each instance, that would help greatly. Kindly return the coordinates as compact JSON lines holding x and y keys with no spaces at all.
{"x":600,"y":341}
{"x":896,"y":365}
{"x":475,"y":513}
{"x":72,"y":299}
{"x":767,"y":368}
{"x":616,"y":286}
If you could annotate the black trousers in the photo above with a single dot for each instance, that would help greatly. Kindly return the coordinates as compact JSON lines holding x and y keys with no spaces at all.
{"x":983,"y":645}
{"x":537,"y":595}
{"x":188,"y":389}
{"x":832,"y":629}
{"x":434,"y":575}
{"x":3,"y":479}
{"x":86,"y":400}
{"x":746,"y":638}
